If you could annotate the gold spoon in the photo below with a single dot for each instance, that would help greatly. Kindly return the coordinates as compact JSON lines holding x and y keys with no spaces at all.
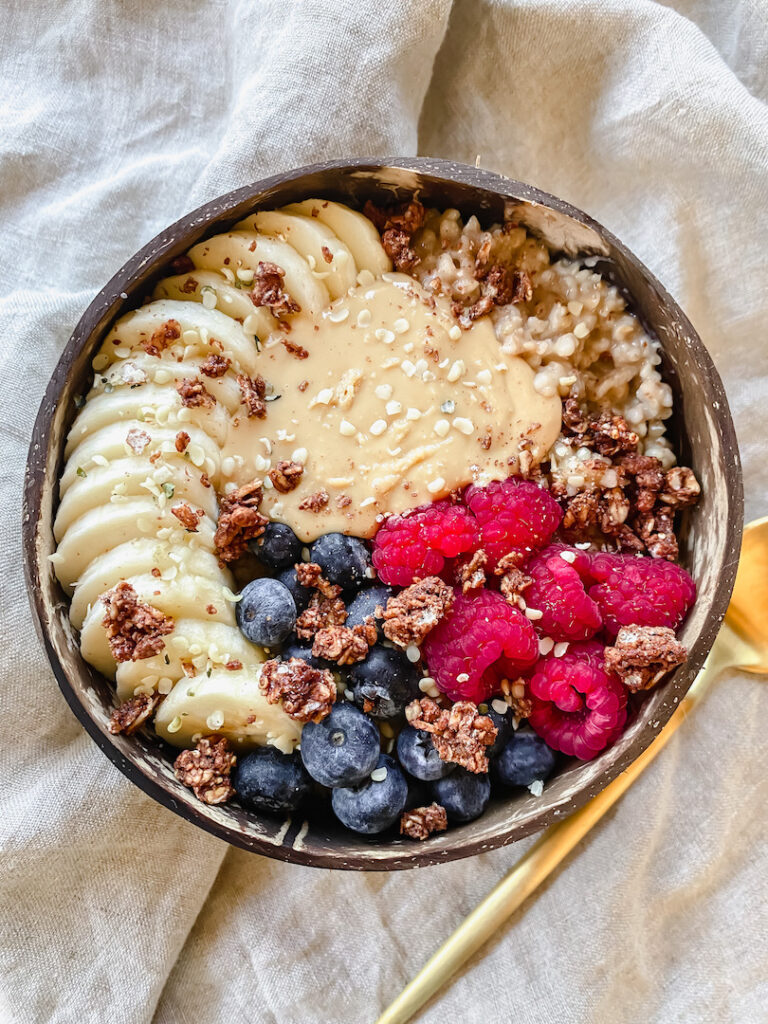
{"x":742,"y":643}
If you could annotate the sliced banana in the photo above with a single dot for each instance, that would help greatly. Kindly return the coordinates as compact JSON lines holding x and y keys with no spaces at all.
{"x":112,"y":442}
{"x":160,"y":403}
{"x":136,"y":558}
{"x":329,"y":257}
{"x":124,"y":473}
{"x":233,"y":301}
{"x":202,"y":330}
{"x":205,"y":646}
{"x":103,"y":528}
{"x":141,"y":368}
{"x":181,"y":597}
{"x":248,"y":249}
{"x":228,"y":703}
{"x":133,"y":477}
{"x":352,"y":228}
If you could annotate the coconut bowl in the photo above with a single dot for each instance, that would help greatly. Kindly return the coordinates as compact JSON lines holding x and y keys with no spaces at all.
{"x":701,"y":430}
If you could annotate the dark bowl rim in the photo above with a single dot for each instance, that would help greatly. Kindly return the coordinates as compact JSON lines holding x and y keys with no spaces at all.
{"x":157,"y":250}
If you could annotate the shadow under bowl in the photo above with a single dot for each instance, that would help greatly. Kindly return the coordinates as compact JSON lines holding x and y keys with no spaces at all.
{"x":701,"y":429}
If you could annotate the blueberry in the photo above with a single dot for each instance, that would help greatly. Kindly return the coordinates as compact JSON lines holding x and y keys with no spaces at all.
{"x":419,"y":794}
{"x":266,"y":780}
{"x":365,"y":603}
{"x":384,"y":683}
{"x":504,"y":728}
{"x":278,"y":547}
{"x":342,"y":749}
{"x":300,"y":595}
{"x":266,"y":613}
{"x":344,"y":560}
{"x":295,"y":648}
{"x":524,"y":759}
{"x":373,"y":805}
{"x":463,"y":794}
{"x":418,"y":755}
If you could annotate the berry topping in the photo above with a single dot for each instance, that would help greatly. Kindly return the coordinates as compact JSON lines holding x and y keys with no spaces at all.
{"x":419,"y":756}
{"x":266,"y":780}
{"x":384,"y":683}
{"x":526,"y":758}
{"x":416,"y":544}
{"x":376,"y":803}
{"x":482,"y":641}
{"x":345,"y":561}
{"x":278,"y":547}
{"x":577,"y":707}
{"x":557,"y":591}
{"x":343,"y":749}
{"x":266,"y":613}
{"x":463,"y":794}
{"x":515,"y":517}
{"x":632,"y":590}
{"x":299,"y":593}
{"x":295,"y":648}
{"x":365,"y":604}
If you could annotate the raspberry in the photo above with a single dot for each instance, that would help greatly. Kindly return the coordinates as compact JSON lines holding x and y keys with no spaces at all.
{"x":515,"y":516}
{"x":416,"y":544}
{"x":577,"y":707}
{"x":632,"y":590}
{"x":482,"y":641}
{"x":558,"y":593}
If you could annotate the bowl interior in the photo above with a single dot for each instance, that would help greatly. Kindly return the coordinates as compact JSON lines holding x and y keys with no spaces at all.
{"x":702,"y":431}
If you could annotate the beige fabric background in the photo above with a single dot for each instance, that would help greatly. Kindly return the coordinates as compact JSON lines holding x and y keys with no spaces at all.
{"x":117,"y":117}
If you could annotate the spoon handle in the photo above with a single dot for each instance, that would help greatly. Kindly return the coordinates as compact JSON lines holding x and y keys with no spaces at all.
{"x":543,"y":857}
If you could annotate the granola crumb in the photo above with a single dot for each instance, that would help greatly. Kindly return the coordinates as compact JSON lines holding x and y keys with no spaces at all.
{"x":606,"y":434}
{"x":315,"y":502}
{"x":285,"y":476}
{"x":310,"y":575}
{"x":293,"y":349}
{"x":239,"y":521}
{"x":187,"y":516}
{"x":206,"y":769}
{"x":345,"y":645}
{"x":460,"y":733}
{"x":321,"y":613}
{"x":513,"y":582}
{"x":215,"y":365}
{"x":164,"y":336}
{"x":642,"y":655}
{"x":252,"y":392}
{"x":134,"y":630}
{"x":411,"y":614}
{"x":133,"y":713}
{"x":234,"y":665}
{"x":194,"y":394}
{"x":421,"y":822}
{"x":307,"y":694}
{"x":470,"y":574}
{"x":268,"y":290}
{"x":137,"y":440}
{"x":516,"y":694}
{"x":680,"y":488}
{"x":181,"y":442}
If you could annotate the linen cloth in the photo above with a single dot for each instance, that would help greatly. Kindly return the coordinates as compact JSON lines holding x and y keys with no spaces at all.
{"x":119,"y":116}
